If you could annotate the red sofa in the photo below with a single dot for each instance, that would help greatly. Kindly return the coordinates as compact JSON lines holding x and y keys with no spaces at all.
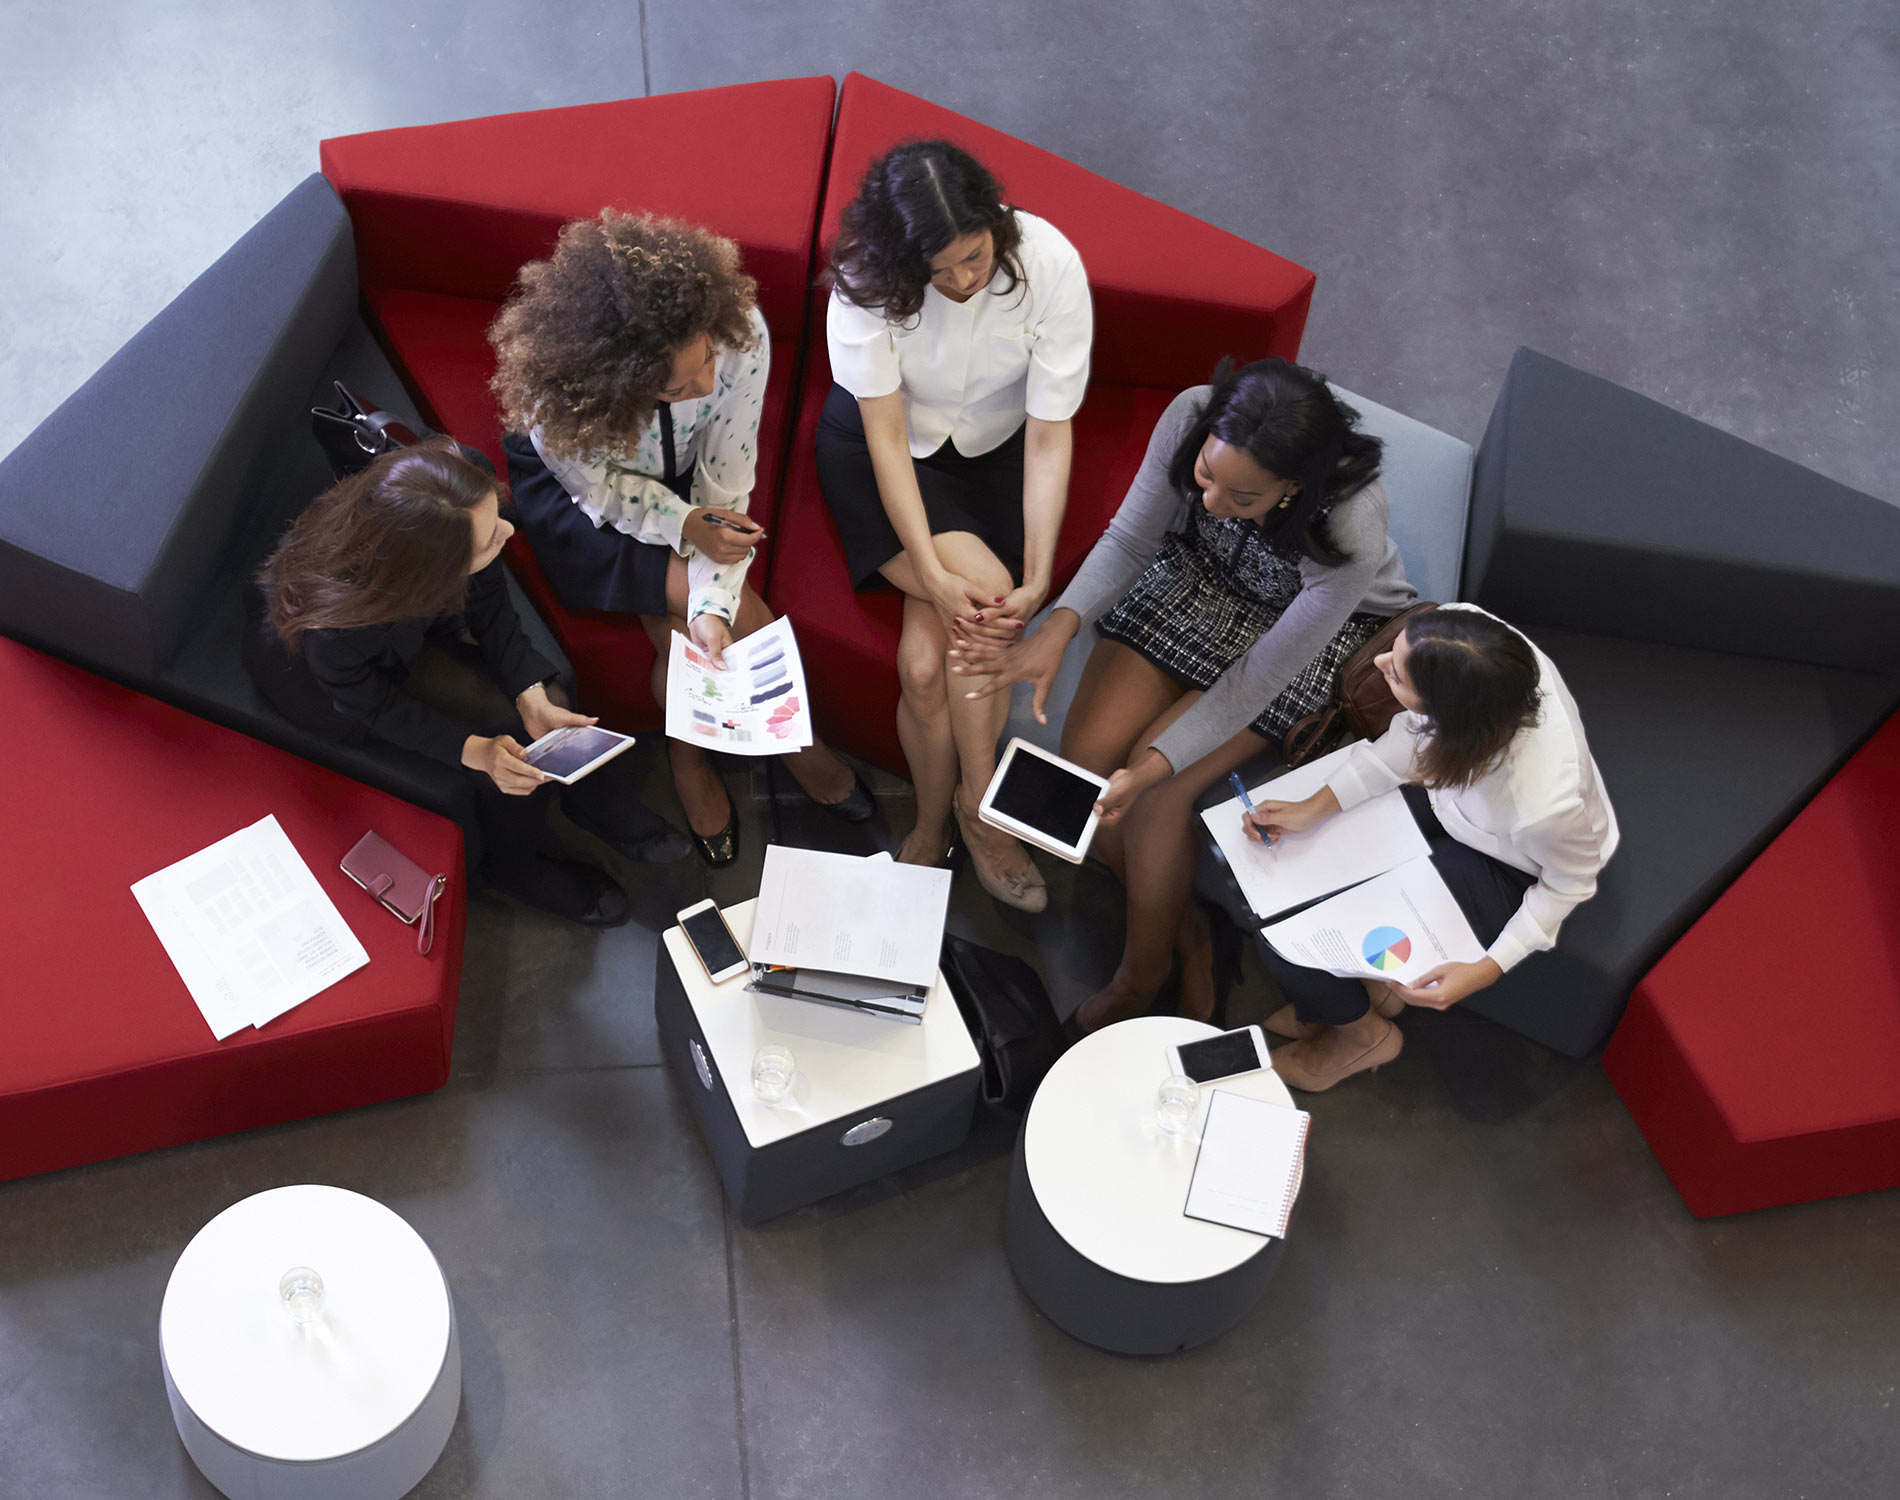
{"x":1172,"y":295}
{"x":106,"y":1053}
{"x":1761,"y":1056}
{"x":446,"y":215}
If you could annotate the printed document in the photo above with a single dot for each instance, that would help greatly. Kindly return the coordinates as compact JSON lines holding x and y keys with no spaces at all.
{"x":755,"y":705}
{"x":870,"y":917}
{"x":1399,"y":925}
{"x":1348,"y":847}
{"x":248,"y":928}
{"x":1252,"y":1155}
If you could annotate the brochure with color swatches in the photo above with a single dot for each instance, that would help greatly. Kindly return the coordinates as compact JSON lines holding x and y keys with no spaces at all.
{"x":754,"y":705}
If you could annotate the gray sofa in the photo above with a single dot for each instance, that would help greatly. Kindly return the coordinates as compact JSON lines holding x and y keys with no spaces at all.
{"x":131,"y":518}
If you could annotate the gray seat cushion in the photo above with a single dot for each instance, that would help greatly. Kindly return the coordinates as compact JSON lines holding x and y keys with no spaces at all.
{"x":117,"y":511}
{"x":1427,"y":477}
{"x":1596,"y":509}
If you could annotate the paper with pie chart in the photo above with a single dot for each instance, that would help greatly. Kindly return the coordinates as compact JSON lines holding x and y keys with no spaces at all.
{"x":755,"y":705}
{"x":1398,"y":925}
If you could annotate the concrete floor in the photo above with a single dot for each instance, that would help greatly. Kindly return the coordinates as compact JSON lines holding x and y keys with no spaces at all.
{"x":1491,"y":1290}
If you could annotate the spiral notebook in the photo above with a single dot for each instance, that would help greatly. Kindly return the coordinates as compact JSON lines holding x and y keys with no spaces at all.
{"x":1248,"y":1171}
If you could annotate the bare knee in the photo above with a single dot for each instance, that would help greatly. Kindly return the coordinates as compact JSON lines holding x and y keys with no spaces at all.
{"x":921,"y":675}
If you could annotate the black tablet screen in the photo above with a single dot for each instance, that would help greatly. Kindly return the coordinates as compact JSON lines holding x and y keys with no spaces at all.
{"x":1046,"y":796}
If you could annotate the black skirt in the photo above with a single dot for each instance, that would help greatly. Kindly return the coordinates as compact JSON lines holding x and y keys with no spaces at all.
{"x":590,"y":567}
{"x":983,"y":495}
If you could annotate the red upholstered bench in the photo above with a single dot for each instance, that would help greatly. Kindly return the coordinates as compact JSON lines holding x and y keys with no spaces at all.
{"x":1761,"y":1056}
{"x":1172,"y":295}
{"x":105,"y":1052}
{"x":446,"y":215}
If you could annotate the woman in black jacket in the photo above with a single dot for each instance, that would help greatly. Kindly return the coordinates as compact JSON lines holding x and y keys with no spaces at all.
{"x":389,"y":618}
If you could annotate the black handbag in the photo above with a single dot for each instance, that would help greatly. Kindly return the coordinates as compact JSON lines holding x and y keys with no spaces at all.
{"x":1010,"y":1018}
{"x":354,"y":434}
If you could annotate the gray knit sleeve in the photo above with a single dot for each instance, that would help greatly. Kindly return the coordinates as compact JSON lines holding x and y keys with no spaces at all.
{"x":1151,"y":509}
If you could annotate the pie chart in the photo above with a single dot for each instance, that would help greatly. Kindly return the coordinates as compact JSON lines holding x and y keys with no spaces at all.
{"x":1386,"y":948}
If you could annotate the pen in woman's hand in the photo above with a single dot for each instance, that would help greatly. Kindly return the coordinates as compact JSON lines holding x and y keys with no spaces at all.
{"x":724,"y":524}
{"x":1240,"y":791}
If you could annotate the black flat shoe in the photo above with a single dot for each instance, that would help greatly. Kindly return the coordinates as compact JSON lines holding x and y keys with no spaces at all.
{"x":859,"y":805}
{"x":633,"y":831}
{"x":722,"y":848}
{"x":562,"y":888}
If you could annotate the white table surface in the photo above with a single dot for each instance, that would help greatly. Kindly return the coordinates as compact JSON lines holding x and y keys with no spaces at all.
{"x":272,"y":1388}
{"x":1107,"y":1178}
{"x":847,"y":1064}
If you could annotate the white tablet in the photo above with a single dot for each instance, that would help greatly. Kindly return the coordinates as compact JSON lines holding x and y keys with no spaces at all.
{"x":569,"y":754}
{"x":1043,"y":800}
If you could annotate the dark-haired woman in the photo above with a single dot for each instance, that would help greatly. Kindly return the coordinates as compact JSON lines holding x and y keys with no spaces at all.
{"x":1247,"y":563}
{"x":387,"y":617}
{"x":631,"y":368}
{"x":1517,"y":820}
{"x":959,"y":331}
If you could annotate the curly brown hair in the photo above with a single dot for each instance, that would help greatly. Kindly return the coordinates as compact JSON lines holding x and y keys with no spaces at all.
{"x":390,"y":543}
{"x":585,"y":343}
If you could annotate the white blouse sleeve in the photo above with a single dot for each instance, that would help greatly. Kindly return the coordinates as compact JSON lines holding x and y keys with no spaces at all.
{"x":1376,"y":766}
{"x":723,"y":473}
{"x":1569,"y":855}
{"x":1063,"y":333}
{"x":863,"y":352}
{"x":614,"y":495}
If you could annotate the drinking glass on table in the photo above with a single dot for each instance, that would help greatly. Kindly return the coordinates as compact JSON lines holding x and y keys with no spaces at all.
{"x":1175,"y":1102}
{"x":772,"y":1072}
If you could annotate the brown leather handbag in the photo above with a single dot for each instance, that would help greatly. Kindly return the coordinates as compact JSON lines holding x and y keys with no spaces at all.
{"x":1364,"y":707}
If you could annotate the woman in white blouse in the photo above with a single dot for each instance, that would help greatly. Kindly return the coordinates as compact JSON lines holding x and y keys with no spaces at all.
{"x":631,"y":369}
{"x":959,"y":332}
{"x":1517,"y":820}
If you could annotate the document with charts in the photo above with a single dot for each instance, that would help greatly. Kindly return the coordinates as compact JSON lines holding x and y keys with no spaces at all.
{"x":755,"y":705}
{"x":1347,"y":848}
{"x":1399,"y":925}
{"x":248,"y":928}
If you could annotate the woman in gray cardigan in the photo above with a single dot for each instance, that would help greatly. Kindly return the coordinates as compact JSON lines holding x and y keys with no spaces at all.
{"x":1247,"y":563}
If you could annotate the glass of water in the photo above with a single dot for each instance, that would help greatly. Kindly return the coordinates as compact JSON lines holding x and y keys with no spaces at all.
{"x":302,"y":1291}
{"x":772,"y":1073}
{"x":1175,"y":1102}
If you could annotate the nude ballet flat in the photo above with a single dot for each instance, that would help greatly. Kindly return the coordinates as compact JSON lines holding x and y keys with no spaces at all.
{"x":1316,"y":1065}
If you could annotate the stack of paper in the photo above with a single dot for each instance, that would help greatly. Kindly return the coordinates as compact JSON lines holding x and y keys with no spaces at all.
{"x":840,"y":930}
{"x":250,"y":931}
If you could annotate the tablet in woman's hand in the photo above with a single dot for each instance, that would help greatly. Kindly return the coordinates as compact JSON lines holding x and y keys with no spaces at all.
{"x":1044,"y":800}
{"x":569,"y":754}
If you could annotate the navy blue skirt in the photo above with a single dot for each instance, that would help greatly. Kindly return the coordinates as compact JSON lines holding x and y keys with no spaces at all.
{"x":590,"y":567}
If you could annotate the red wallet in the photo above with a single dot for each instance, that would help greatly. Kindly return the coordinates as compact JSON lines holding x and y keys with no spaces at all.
{"x":398,"y":882}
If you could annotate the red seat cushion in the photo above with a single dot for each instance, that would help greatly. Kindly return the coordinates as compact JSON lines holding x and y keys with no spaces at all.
{"x":106,"y":1053}
{"x":1172,"y":295}
{"x":445,"y":216}
{"x":1761,"y":1056}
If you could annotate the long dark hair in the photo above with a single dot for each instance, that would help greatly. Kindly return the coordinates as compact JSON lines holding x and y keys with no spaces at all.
{"x":1477,"y":678}
{"x":1286,"y":418}
{"x":913,"y":201}
{"x":391,"y":543}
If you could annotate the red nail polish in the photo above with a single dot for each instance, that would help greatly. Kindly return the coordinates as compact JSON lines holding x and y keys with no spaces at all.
{"x":979,"y":619}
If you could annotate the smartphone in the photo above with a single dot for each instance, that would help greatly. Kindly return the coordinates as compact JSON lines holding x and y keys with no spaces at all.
{"x":1240,"y":1051}
{"x":714,"y":945}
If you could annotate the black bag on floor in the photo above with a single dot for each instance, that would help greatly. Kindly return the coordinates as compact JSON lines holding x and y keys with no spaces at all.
{"x":1009,"y":1015}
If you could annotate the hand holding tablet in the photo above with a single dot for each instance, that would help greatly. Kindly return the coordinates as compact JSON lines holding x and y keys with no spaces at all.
{"x":570,"y":753}
{"x":1044,"y":800}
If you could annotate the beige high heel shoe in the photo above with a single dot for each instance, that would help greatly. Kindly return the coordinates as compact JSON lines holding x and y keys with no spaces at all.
{"x":1026,"y":892}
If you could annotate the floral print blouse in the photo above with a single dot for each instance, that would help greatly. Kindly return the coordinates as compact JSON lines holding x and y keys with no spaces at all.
{"x":719,"y":437}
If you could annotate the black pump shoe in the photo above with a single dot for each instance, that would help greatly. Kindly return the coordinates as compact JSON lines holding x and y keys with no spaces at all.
{"x":635,"y":832}
{"x":577,"y":892}
{"x":859,"y":805}
{"x":721,"y":848}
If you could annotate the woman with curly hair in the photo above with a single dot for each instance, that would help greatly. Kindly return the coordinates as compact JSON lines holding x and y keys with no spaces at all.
{"x":1491,"y":754}
{"x":384,"y":615}
{"x":959,"y":330}
{"x":1247,"y":563}
{"x":631,"y":369}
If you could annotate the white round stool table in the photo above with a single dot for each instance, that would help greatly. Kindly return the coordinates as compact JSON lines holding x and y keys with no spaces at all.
{"x":1093,"y":1226}
{"x":356,"y":1404}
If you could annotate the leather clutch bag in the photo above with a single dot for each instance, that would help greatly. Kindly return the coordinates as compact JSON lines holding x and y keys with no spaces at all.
{"x":398,"y":882}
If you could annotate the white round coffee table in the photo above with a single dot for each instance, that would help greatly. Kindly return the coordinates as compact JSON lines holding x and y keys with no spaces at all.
{"x":356,"y":1405}
{"x":1094,"y":1228}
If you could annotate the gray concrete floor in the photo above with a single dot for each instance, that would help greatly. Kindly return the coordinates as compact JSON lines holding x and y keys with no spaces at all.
{"x":1491,"y":1290}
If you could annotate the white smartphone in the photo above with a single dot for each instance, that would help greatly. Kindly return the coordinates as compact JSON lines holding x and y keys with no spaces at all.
{"x":569,"y":754}
{"x":1240,"y":1051}
{"x":712,"y":942}
{"x":1043,"y":800}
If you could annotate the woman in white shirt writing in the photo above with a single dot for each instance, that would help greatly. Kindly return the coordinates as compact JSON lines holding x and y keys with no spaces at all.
{"x":1512,"y":806}
{"x":631,"y":368}
{"x":959,"y":332}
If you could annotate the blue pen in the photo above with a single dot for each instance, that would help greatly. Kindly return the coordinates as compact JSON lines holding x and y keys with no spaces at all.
{"x":1240,"y":791}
